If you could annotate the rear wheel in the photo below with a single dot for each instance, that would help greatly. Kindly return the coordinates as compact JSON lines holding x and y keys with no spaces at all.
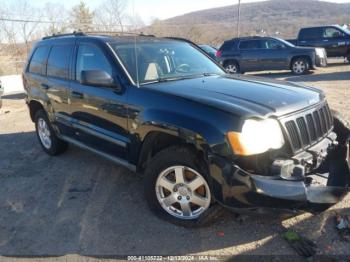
{"x":232,"y":67}
{"x":177,"y":190}
{"x":300,"y":66}
{"x":49,"y":141}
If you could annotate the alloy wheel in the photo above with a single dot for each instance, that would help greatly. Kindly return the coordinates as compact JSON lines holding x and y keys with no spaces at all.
{"x":44,"y":133}
{"x":182,"y":192}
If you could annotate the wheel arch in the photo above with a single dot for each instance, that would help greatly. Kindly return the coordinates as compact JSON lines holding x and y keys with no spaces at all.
{"x":308,"y":58}
{"x":160,"y":139}
{"x":231,"y":60}
{"x":34,"y":107}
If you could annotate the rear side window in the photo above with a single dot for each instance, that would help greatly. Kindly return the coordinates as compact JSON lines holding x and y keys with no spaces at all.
{"x":91,"y":58}
{"x":249,"y":44}
{"x":310,"y":34}
{"x":38,"y":61}
{"x":58,"y":62}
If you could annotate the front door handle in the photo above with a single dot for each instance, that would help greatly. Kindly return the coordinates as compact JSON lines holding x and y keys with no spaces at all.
{"x":77,"y":94}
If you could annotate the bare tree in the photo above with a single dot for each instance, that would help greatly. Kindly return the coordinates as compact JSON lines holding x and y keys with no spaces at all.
{"x":58,"y":16}
{"x":81,"y":17}
{"x":110,"y":15}
{"x":24,"y":30}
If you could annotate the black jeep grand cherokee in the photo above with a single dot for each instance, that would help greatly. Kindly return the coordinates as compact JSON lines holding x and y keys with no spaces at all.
{"x":163,"y":108}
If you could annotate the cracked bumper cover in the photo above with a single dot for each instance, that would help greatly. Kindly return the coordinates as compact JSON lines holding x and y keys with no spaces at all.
{"x":237,"y":189}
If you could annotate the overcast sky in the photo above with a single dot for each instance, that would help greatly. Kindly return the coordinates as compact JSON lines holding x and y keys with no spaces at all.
{"x":161,"y":9}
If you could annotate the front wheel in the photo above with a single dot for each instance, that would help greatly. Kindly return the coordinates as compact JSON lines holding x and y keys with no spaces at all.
{"x":177,"y":190}
{"x":300,"y":66}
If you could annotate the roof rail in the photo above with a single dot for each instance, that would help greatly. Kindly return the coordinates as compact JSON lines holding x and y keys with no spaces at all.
{"x":61,"y":35}
{"x":116,"y":33}
{"x":180,"y":39}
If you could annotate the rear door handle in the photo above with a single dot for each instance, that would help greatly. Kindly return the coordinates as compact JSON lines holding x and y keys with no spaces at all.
{"x":77,"y":94}
{"x":45,"y":86}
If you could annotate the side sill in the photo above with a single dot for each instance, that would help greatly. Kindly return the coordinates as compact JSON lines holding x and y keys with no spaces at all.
{"x":100,"y":153}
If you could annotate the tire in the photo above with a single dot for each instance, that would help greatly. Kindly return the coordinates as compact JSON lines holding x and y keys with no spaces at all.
{"x":300,"y":66}
{"x":232,"y":67}
{"x":47,"y":137}
{"x":161,"y":171}
{"x":341,"y":127}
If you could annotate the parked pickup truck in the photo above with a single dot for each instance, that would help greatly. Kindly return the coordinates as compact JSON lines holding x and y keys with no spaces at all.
{"x":335,"y":39}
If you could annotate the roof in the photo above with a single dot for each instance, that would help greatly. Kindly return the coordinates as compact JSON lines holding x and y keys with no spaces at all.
{"x":250,"y":37}
{"x":110,"y":37}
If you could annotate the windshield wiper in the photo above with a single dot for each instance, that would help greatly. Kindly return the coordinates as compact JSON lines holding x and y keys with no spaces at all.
{"x":175,"y":78}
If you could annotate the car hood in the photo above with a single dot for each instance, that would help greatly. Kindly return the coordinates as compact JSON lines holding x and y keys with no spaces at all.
{"x":243,"y":95}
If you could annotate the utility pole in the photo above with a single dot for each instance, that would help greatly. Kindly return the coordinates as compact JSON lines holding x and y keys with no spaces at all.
{"x":239,"y":16}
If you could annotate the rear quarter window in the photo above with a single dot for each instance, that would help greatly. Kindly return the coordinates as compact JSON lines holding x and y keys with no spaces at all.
{"x":58,"y":62}
{"x":37,"y":64}
{"x":227,"y":46}
{"x":310,"y":34}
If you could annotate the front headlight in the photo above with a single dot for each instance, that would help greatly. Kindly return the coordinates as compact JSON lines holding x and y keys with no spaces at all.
{"x":257,"y":136}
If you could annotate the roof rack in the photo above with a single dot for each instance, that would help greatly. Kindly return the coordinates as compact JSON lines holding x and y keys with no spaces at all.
{"x":116,"y":33}
{"x":109,"y":33}
{"x":75,"y":33}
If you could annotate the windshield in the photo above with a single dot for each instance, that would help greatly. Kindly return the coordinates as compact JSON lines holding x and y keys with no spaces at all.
{"x":344,"y":29}
{"x":162,"y":61}
{"x":208,"y":48}
{"x":286,"y":42}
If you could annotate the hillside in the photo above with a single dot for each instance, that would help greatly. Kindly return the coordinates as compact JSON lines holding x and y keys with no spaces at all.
{"x":274,"y":17}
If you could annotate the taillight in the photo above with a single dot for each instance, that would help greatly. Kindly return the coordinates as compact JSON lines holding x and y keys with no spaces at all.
{"x":218,"y":53}
{"x":24,"y":82}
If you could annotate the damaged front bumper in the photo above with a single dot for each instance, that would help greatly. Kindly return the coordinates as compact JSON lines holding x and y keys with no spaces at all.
{"x":240,"y":190}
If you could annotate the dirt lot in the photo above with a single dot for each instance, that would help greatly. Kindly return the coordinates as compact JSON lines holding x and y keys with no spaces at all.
{"x":81,"y":204}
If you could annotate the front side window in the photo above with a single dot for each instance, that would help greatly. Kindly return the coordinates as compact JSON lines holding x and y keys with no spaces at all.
{"x":163,"y":60}
{"x":58,"y":62}
{"x":91,"y":58}
{"x":272,"y":44}
{"x":331,"y":32}
{"x":249,"y":44}
{"x":38,"y":61}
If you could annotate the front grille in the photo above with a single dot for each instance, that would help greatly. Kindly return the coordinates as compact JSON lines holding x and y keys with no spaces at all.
{"x":308,"y":128}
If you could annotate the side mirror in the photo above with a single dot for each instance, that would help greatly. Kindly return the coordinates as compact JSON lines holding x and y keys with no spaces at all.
{"x":97,"y":78}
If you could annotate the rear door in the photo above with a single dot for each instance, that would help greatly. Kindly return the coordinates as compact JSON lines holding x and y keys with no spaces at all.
{"x":273,"y":55}
{"x":250,"y":51}
{"x":58,"y":83}
{"x":36,"y":70}
{"x":99,"y":114}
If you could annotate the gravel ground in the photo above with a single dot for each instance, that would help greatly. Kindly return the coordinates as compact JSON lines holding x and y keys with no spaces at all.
{"x":80,"y":205}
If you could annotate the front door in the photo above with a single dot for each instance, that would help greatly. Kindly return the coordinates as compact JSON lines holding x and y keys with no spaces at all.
{"x":99,"y":114}
{"x":336,"y":42}
{"x":274,"y":55}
